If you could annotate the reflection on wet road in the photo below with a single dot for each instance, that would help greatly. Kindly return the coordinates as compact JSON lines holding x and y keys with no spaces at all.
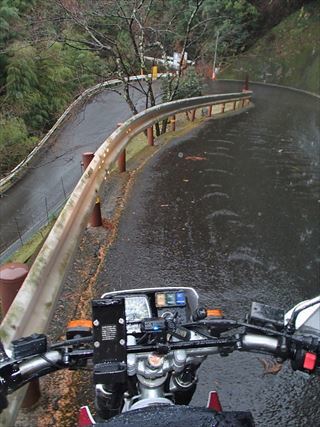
{"x":241,"y":224}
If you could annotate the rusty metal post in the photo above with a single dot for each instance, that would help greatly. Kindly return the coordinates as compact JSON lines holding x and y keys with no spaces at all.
{"x":210,"y":111}
{"x":173,"y":123}
{"x":150,"y":136}
{"x":122,"y":157}
{"x":234,"y":104}
{"x":12,"y":276}
{"x":193,"y":115}
{"x":32,"y":395}
{"x":96,"y":218}
{"x":246,"y":84}
{"x":223,"y":106}
{"x":86,"y":159}
{"x":122,"y":161}
{"x":243,"y":102}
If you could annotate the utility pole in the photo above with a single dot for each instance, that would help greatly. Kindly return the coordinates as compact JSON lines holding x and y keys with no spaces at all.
{"x":215,"y":57}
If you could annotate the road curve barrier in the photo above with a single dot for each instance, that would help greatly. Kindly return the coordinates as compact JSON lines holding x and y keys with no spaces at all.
{"x":34,"y":305}
{"x":16,"y":173}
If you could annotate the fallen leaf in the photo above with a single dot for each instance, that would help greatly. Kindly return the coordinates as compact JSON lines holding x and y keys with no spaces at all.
{"x":107,"y":224}
{"x":270,"y":366}
{"x":195,"y":158}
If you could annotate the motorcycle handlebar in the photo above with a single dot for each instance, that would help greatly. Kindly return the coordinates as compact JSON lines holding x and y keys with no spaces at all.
{"x":254,"y":342}
{"x":276,"y":344}
{"x":51,"y":359}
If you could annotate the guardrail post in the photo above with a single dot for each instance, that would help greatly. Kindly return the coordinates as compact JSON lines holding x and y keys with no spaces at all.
{"x":234,"y":104}
{"x":150,"y":136}
{"x":223,"y":106}
{"x":122,"y":158}
{"x":95,"y":219}
{"x":173,"y":123}
{"x":122,"y":161}
{"x":246,"y":84}
{"x":210,"y":111}
{"x":193,"y":115}
{"x":12,"y":276}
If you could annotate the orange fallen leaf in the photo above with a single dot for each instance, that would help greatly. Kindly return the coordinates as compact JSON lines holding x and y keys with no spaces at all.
{"x":195,"y":158}
{"x":107,"y":224}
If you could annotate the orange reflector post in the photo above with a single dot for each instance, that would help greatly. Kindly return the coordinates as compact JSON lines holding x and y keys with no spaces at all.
{"x":214,"y":312}
{"x":80,"y":323}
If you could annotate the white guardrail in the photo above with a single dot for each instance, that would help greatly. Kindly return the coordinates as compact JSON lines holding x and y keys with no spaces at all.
{"x":12,"y":177}
{"x":34,"y":304}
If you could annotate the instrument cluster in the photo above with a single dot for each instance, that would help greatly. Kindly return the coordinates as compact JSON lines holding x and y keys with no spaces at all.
{"x":165,"y":304}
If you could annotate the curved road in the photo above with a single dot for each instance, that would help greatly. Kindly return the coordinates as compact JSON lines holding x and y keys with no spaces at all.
{"x":241,"y":225}
{"x":54,"y":173}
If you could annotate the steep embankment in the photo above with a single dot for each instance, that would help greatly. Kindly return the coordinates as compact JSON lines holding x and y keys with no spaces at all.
{"x":289,"y":54}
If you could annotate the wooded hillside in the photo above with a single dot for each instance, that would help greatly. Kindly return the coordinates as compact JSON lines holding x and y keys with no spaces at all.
{"x":50,"y":51}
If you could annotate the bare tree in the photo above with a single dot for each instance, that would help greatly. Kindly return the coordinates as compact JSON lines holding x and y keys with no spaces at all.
{"x":125,"y":33}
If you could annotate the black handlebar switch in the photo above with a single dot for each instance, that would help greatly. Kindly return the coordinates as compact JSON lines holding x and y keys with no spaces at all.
{"x":109,"y":340}
{"x":29,"y":346}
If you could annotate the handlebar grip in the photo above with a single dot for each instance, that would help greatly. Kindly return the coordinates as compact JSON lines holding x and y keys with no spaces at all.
{"x":48,"y":360}
{"x":254,"y":342}
{"x":14,"y":375}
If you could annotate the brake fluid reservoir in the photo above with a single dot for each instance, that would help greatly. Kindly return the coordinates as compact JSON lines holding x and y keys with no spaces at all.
{"x":131,"y":358}
{"x":179,"y":360}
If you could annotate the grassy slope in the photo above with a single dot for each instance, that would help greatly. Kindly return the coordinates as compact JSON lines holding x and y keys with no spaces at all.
{"x":289,"y":54}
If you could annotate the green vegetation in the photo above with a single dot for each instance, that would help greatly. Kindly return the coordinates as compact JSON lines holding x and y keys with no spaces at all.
{"x":39,"y":76}
{"x":190,"y":85}
{"x":30,"y":249}
{"x":289,"y":54}
{"x":14,"y":133}
{"x":235,"y":22}
{"x":50,"y":51}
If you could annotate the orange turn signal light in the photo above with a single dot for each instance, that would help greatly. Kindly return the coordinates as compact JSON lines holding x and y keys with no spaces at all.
{"x":214,"y":312}
{"x":80,"y":323}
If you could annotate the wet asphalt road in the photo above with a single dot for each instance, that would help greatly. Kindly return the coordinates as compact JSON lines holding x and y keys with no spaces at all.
{"x":241,"y":225}
{"x":54,"y":173}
